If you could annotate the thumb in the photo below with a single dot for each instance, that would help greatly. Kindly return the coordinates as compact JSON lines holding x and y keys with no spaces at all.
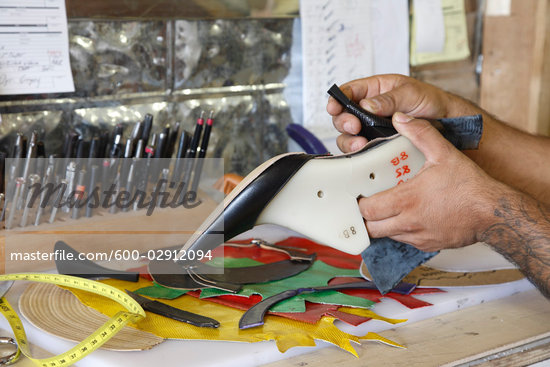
{"x":383,"y":104}
{"x":422,"y":134}
{"x":403,"y":98}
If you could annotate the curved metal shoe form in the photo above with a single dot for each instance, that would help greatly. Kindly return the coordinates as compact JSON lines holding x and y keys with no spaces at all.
{"x":199,"y":275}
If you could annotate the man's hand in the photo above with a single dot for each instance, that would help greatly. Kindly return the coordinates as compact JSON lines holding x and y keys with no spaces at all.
{"x":384,"y":95}
{"x":452,"y":201}
{"x":447,"y":204}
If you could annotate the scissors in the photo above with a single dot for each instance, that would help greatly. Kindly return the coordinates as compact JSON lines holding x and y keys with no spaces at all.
{"x":6,"y":340}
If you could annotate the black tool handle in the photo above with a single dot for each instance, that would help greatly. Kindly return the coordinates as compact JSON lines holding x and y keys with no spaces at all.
{"x":93,"y":178}
{"x":147,"y":127}
{"x":372,"y":126}
{"x":181,"y":315}
{"x":464,"y":132}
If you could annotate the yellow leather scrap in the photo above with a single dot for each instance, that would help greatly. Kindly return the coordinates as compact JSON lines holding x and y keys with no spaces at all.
{"x":286,"y":333}
{"x":369,"y":313}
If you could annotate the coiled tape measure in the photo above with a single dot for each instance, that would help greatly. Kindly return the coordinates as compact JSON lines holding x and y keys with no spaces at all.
{"x":133,"y":313}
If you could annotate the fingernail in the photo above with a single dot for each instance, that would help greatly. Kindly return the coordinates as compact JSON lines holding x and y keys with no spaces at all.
{"x":401,"y":117}
{"x":370,"y":105}
{"x":348,"y":127}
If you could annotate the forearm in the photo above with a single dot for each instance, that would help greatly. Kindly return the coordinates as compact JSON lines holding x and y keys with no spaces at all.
{"x":509,"y":155}
{"x":519,"y":229}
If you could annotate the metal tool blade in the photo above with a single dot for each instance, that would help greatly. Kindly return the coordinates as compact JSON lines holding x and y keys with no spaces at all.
{"x":174,"y":313}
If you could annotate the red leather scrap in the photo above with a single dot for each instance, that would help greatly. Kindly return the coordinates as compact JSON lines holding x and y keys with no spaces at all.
{"x":326,"y":254}
{"x":375,"y":296}
{"x":313,"y":313}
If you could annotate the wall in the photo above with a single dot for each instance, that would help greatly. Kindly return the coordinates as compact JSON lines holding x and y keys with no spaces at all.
{"x":172,"y":69}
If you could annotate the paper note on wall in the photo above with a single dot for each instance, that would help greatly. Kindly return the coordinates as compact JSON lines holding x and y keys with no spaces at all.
{"x":456,"y":35}
{"x":430,"y":27}
{"x":338,"y":40}
{"x":34,"y":49}
{"x":389,"y":21}
{"x":337,"y":48}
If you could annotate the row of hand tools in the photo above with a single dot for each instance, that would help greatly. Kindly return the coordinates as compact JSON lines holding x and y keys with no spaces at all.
{"x":108,"y":171}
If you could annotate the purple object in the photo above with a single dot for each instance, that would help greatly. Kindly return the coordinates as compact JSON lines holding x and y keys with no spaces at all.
{"x":305,"y":139}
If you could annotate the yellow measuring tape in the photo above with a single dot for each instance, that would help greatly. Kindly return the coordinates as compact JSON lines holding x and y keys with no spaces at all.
{"x":133,"y":313}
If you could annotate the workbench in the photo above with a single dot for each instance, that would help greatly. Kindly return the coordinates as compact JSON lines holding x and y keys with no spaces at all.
{"x":487,"y":321}
{"x":463,"y":325}
{"x":510,"y":331}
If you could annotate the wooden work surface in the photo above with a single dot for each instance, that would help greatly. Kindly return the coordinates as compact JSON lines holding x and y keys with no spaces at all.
{"x":455,"y":338}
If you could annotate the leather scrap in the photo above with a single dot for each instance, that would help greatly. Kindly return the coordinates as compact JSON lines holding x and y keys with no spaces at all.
{"x":286,"y":333}
{"x":424,"y":276}
{"x":201,"y":275}
{"x":313,"y":313}
{"x":316,"y":276}
{"x":389,"y":261}
{"x":328,"y":255}
{"x":407,"y":300}
{"x":254,"y":316}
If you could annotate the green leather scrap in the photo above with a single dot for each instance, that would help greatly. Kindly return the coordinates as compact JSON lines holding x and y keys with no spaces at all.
{"x":159,"y":291}
{"x":231,"y":262}
{"x":317,"y":275}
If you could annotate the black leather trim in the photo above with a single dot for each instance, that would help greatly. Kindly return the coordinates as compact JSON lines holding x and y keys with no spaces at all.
{"x":245,"y":209}
{"x":86,"y":268}
{"x":242,"y":212}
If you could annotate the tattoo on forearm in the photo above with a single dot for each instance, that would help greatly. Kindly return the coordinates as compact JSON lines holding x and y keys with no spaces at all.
{"x":522,"y":235}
